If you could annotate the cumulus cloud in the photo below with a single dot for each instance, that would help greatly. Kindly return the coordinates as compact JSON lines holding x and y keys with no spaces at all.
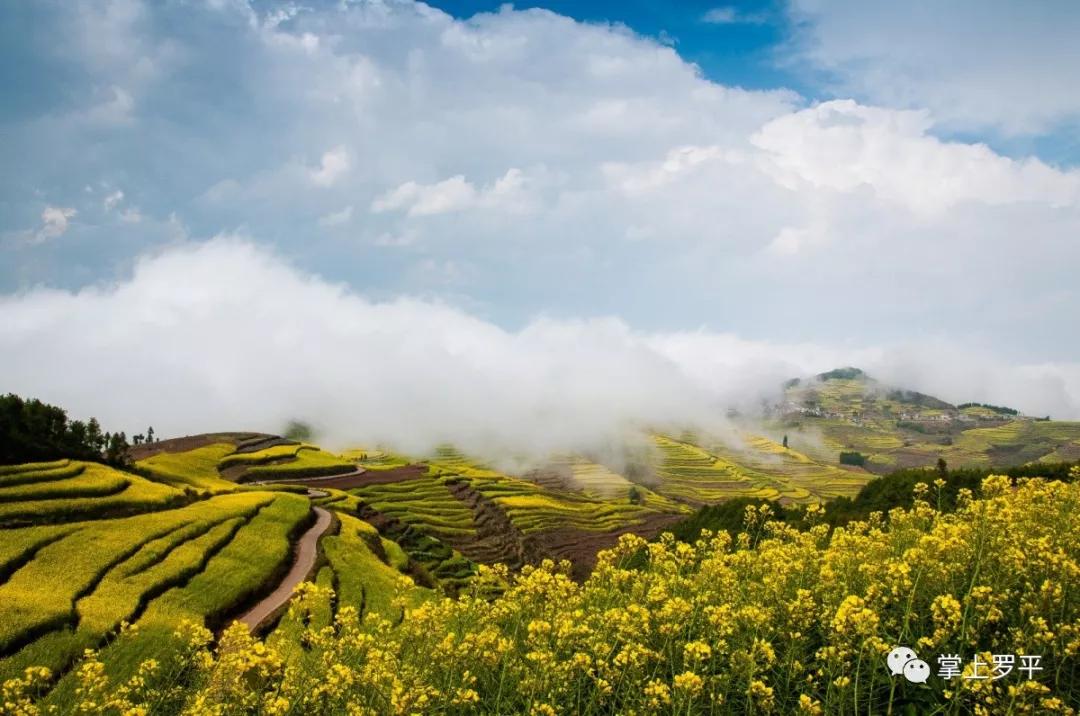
{"x":54,"y":222}
{"x":520,"y":163}
{"x":453,"y":194}
{"x":333,"y":165}
{"x":223,"y":335}
{"x":729,"y":15}
{"x":842,"y":146}
{"x":336,"y":218}
{"x":112,"y":199}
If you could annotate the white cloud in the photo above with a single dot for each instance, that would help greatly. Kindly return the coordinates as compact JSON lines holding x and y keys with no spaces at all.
{"x":333,"y":165}
{"x":729,"y":15}
{"x":336,"y":218}
{"x":111,"y":200}
{"x":639,"y":188}
{"x":414,"y":373}
{"x":454,"y":194}
{"x":974,"y":63}
{"x":844,"y":146}
{"x":54,"y":222}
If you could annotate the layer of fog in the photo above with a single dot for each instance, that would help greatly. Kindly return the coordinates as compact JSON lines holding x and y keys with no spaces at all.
{"x":224,"y":335}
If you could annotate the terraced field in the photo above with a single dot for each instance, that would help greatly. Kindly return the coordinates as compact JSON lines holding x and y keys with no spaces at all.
{"x":846,"y":410}
{"x":532,"y":507}
{"x":86,"y":550}
{"x":692,"y":474}
{"x":202,"y":528}
{"x":48,"y":492}
{"x":214,"y":463}
{"x":196,"y":468}
{"x":425,"y":502}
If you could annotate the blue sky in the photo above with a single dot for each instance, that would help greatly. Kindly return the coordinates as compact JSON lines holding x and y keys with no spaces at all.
{"x":811,"y":181}
{"x":733,"y":44}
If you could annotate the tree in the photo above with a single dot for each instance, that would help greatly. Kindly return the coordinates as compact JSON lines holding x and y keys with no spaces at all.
{"x":298,"y":430}
{"x":116,"y":453}
{"x":635,"y":496}
{"x":942,"y":467}
{"x":150,"y":434}
{"x":31,"y":430}
{"x":785,"y":442}
{"x":94,"y":438}
{"x":852,"y":458}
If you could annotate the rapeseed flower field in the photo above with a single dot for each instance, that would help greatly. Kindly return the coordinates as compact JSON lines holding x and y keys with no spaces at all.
{"x":772,"y":620}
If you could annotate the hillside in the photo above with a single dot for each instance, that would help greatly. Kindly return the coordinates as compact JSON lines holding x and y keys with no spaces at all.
{"x":207,"y":529}
{"x":847,"y":410}
{"x":776,"y":620}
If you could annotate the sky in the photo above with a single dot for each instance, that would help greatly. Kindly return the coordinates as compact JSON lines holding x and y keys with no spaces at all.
{"x":710,"y":196}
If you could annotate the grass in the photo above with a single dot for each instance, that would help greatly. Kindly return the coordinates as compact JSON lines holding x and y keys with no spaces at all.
{"x":65,"y":503}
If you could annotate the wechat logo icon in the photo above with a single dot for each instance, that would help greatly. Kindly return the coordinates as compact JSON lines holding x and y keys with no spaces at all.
{"x":903,"y":660}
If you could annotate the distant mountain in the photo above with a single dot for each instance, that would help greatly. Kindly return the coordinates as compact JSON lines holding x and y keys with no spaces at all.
{"x":847,"y":410}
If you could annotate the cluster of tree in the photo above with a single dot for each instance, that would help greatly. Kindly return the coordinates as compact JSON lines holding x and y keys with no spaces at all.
{"x":33,"y":431}
{"x":924,"y":428}
{"x":1000,"y":409}
{"x":913,"y":397}
{"x":852,"y":458}
{"x":848,"y":373}
{"x":299,"y":431}
{"x":881,"y":495}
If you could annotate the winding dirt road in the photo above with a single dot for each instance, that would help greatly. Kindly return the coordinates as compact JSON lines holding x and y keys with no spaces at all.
{"x":307,"y":548}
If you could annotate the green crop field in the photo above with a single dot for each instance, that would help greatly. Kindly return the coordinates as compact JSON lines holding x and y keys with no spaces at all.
{"x":532,"y":507}
{"x":365,"y":581}
{"x":690,"y":473}
{"x":425,"y":503}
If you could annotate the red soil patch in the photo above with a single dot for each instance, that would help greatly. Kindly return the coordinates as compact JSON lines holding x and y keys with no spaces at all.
{"x":581,"y":546}
{"x":360,"y":477}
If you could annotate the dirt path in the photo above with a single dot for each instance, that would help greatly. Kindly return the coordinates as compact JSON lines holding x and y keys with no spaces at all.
{"x":306,"y":552}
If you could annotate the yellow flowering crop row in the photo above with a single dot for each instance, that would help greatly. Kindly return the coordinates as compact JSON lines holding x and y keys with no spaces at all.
{"x":800,"y":622}
{"x":40,"y":596}
{"x":119,"y":491}
{"x":196,"y":468}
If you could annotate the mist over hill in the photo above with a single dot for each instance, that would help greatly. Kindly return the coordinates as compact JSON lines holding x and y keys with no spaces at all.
{"x":255,"y":343}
